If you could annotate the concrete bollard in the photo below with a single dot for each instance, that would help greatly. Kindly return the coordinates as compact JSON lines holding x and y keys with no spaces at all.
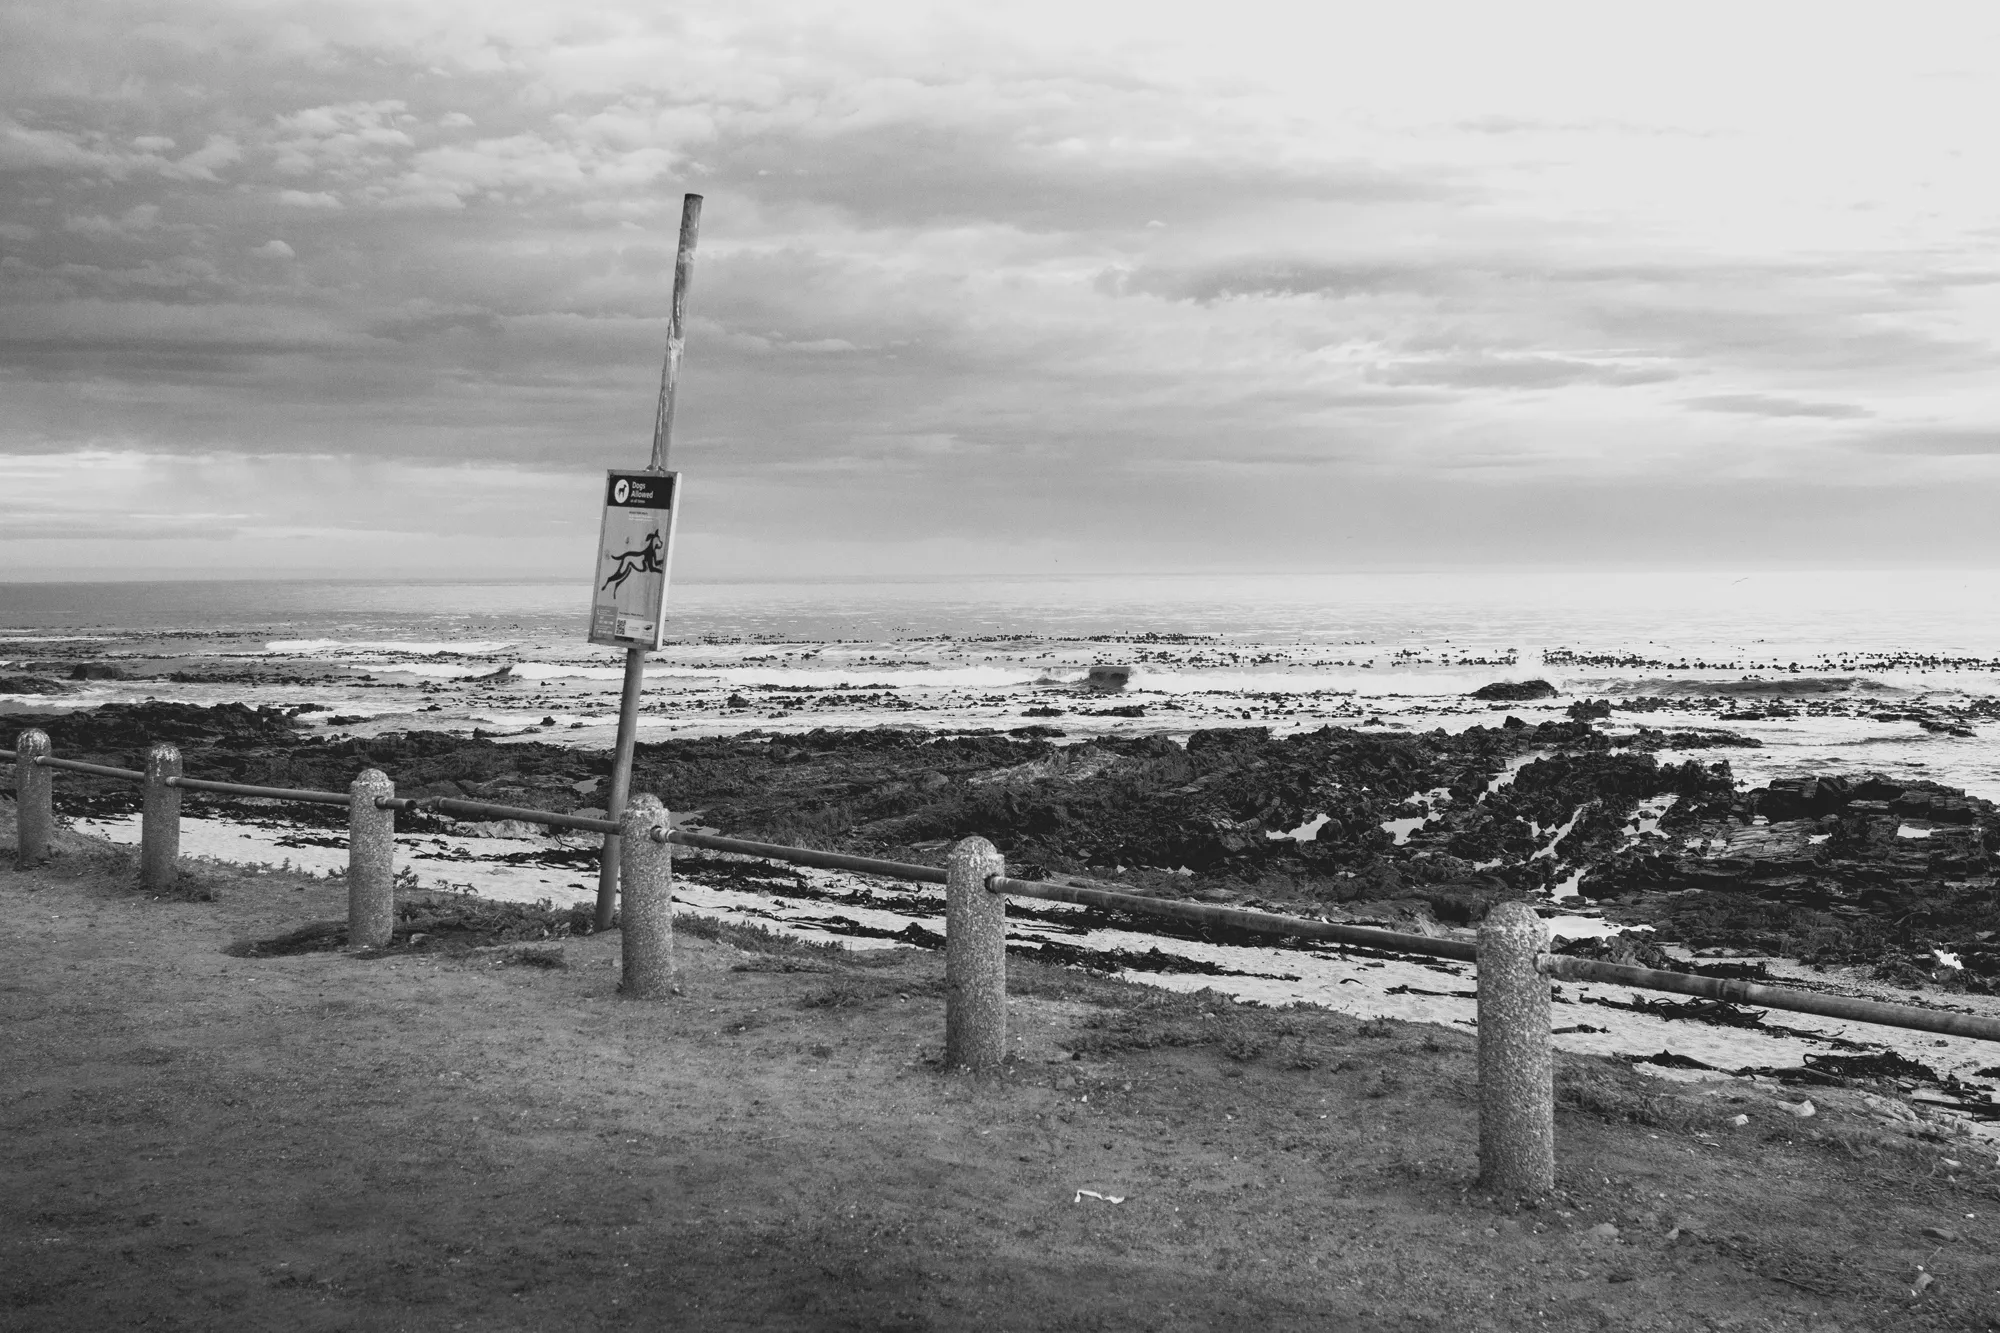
{"x":646,"y":901}
{"x":371,"y":860}
{"x":34,"y":808}
{"x":1517,"y":1105}
{"x":975,"y":960}
{"x":160,"y":824}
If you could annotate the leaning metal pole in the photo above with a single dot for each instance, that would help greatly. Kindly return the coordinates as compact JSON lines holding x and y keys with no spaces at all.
{"x":635,"y":659}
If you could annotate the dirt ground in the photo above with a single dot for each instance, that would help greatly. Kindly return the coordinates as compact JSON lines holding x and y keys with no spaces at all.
{"x":494,"y":1139}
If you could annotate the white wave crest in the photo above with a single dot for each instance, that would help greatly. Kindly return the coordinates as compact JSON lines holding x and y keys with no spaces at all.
{"x":399,"y":647}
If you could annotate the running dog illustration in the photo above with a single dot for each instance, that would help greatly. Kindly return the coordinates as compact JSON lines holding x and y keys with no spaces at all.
{"x":645,"y":560}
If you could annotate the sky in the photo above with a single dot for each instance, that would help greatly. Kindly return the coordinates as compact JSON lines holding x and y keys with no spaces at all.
{"x":382,"y":288}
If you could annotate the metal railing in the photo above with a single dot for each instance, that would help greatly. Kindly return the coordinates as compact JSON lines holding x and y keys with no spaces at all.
{"x":1512,"y":955}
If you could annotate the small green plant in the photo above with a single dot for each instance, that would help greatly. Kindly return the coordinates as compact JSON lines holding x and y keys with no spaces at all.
{"x":841,"y":994}
{"x":755,"y":937}
{"x":1382,"y":1083}
{"x":1245,"y":1046}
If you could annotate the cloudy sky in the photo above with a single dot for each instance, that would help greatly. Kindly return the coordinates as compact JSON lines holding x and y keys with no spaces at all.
{"x":360,"y":287}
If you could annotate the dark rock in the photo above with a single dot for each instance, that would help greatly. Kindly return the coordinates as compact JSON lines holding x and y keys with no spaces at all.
{"x":1227,"y":738}
{"x":1511,"y":691}
{"x":127,"y":729}
{"x":1109,"y":679}
{"x":31,"y":685}
{"x":98,"y":671}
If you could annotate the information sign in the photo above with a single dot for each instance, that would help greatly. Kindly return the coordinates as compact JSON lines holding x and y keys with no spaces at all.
{"x":628,"y":608}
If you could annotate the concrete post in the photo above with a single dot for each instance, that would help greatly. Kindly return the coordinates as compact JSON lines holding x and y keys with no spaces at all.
{"x":160,"y":824}
{"x":371,"y":860}
{"x":975,"y":960}
{"x":1517,"y":1105}
{"x":646,"y":901}
{"x":33,"y":797}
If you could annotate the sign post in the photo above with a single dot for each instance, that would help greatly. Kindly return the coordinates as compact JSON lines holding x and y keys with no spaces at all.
{"x":628,"y":609}
{"x":637,"y":537}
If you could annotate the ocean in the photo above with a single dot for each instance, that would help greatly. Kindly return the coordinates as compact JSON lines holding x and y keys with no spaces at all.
{"x":1403,"y":649}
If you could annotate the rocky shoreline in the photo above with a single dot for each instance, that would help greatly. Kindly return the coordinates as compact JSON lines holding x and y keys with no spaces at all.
{"x":1429,"y":829}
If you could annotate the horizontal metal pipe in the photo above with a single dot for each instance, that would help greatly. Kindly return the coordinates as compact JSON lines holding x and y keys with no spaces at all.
{"x":271,"y":793}
{"x":9,"y":754}
{"x":1564,"y":968}
{"x":95,"y":770}
{"x":803,"y":856}
{"x":1236,"y":918}
{"x":451,"y":805}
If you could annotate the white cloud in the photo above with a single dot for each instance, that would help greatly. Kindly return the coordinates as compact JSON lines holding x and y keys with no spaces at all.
{"x":138,"y":218}
{"x":275,"y":249}
{"x":221,"y":150}
{"x":347,"y":141}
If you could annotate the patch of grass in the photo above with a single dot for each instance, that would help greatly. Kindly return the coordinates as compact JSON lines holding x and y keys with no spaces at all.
{"x":850,"y":990}
{"x":313,"y":937}
{"x":434,"y":922}
{"x":542,"y":955}
{"x":1048,"y":981}
{"x":193,"y":883}
{"x":1382,"y":1083}
{"x":787,"y":963}
{"x":462,"y":921}
{"x":842,"y":994}
{"x":1246,"y":1046}
{"x":1200,"y":1018}
{"x":1140,"y":1018}
{"x":1617,"y":1094}
{"x":755,"y":937}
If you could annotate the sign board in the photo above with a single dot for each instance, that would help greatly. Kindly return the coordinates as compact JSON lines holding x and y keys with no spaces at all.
{"x":628,"y":604}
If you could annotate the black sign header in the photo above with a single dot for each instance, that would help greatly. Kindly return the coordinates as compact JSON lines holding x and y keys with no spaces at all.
{"x":639,"y":490}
